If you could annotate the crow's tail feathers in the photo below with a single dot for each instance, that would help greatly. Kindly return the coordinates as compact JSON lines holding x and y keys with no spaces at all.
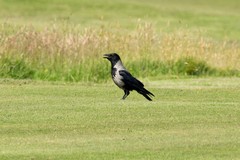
{"x":145,"y":93}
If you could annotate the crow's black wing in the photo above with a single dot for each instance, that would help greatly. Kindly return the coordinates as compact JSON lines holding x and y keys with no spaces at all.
{"x":129,"y":81}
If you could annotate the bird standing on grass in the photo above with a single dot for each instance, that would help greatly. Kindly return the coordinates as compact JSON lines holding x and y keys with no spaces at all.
{"x":123,"y":79}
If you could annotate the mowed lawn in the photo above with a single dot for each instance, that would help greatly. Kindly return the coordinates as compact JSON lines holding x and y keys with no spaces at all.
{"x":188,"y":119}
{"x":219,"y":19}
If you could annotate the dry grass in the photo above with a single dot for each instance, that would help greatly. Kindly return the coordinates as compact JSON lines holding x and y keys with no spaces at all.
{"x":224,"y":54}
{"x":64,"y":46}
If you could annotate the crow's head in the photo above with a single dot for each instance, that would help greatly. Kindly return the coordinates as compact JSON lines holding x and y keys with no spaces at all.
{"x":112,"y":57}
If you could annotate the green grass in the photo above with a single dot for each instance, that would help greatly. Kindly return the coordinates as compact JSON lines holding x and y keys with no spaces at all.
{"x":64,"y":40}
{"x":188,"y":119}
{"x":219,"y":18}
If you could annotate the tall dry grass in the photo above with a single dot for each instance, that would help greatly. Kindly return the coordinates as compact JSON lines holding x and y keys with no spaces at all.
{"x":69,"y":52}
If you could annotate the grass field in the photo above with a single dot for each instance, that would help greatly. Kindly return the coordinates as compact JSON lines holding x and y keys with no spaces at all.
{"x":43,"y":41}
{"x":220,"y":18}
{"x":188,"y":119}
{"x":64,"y":40}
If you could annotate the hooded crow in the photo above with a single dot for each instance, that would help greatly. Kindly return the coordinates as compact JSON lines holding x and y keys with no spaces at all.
{"x":123,"y":79}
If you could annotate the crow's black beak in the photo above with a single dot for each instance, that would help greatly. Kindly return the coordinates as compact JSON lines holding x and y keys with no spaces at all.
{"x":106,"y":56}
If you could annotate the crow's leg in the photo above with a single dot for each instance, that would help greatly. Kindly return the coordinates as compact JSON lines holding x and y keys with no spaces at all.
{"x":126,"y":94}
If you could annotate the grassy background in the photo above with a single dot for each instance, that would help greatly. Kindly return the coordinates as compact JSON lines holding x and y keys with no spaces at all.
{"x":188,"y":119}
{"x":220,"y":18}
{"x":64,"y":40}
